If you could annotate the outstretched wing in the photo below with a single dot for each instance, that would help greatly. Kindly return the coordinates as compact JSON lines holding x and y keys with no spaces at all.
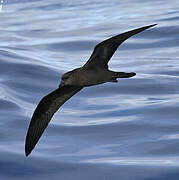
{"x":105,"y":50}
{"x":44,"y":112}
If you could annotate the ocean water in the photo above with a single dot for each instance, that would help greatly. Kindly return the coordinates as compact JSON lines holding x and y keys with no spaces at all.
{"x":127,"y":130}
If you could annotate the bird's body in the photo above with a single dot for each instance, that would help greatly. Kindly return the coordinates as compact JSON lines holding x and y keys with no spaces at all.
{"x":94,"y":72}
{"x":90,"y":76}
{"x":94,"y":76}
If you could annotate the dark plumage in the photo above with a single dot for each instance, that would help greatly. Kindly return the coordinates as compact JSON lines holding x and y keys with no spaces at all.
{"x":95,"y":71}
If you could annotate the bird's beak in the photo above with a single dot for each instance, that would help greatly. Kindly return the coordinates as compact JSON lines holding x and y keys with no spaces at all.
{"x":61,"y":84}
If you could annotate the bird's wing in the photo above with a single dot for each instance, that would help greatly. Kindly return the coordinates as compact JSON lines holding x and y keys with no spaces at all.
{"x":44,"y":112}
{"x":105,"y":50}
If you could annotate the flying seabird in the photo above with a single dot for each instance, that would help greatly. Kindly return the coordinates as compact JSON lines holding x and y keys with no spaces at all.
{"x":94,"y":72}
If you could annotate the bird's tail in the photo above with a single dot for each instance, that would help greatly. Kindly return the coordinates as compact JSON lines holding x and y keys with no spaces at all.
{"x":123,"y":74}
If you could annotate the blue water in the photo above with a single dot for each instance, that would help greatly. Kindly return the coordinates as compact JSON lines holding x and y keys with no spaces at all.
{"x":127,"y":130}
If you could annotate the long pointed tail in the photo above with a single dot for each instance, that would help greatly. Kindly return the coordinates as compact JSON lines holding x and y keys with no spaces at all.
{"x":125,"y":75}
{"x":121,"y":75}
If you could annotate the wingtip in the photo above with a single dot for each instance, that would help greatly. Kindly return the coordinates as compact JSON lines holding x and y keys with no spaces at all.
{"x":133,"y":32}
{"x":27,"y":152}
{"x":152,"y":25}
{"x":146,"y":27}
{"x":28,"y":147}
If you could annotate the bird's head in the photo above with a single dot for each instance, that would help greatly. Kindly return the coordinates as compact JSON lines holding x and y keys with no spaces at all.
{"x":68,"y":79}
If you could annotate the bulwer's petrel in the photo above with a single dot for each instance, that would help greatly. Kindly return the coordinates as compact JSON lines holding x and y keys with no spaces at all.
{"x":94,"y":72}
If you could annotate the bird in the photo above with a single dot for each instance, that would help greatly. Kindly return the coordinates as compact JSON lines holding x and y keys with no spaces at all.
{"x":94,"y":71}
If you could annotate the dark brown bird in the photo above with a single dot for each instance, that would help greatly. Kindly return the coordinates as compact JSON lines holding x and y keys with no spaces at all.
{"x":95,"y":71}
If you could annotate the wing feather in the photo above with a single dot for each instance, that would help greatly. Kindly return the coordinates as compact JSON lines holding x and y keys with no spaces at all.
{"x":104,"y":51}
{"x":44,"y":112}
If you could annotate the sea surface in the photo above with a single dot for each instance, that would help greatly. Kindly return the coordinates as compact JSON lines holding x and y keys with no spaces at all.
{"x":115,"y":131}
